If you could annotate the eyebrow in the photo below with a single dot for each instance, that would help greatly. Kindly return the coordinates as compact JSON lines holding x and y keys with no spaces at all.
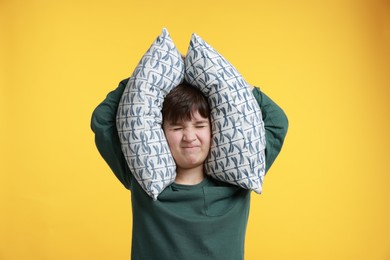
{"x":201,"y":122}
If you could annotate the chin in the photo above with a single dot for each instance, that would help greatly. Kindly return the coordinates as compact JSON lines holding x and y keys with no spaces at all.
{"x":192,"y":164}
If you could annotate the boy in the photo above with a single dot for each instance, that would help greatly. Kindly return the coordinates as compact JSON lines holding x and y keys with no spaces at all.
{"x":196,"y":217}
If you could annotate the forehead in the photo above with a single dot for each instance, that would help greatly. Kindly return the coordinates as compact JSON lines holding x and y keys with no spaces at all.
{"x":195,"y":115}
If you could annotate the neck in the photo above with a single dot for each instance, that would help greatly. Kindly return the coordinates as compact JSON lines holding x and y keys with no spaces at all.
{"x":189,"y":176}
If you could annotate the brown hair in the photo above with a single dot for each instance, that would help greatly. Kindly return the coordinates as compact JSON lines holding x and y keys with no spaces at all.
{"x":182,"y":102}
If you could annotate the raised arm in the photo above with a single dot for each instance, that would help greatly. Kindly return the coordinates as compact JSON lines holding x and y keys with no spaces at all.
{"x":103,"y":124}
{"x":276,"y":125}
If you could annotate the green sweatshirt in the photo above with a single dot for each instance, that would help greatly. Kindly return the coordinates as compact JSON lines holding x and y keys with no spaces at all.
{"x":203,"y":221}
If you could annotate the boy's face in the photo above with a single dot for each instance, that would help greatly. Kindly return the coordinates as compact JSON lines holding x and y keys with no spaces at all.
{"x":189,"y":141}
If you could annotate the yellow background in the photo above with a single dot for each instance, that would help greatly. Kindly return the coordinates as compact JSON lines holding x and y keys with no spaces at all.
{"x":326,"y":63}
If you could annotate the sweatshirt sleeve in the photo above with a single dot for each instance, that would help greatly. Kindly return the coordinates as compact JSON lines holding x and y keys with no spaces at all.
{"x":103,"y":124}
{"x":275,"y":123}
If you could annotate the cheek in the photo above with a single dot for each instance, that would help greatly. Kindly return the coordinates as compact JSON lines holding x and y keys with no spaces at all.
{"x":171,"y":139}
{"x":168,"y":137}
{"x":206,"y":137}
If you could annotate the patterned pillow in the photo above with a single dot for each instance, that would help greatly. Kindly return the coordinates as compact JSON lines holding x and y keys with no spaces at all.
{"x":237,"y":154}
{"x":139,"y":115}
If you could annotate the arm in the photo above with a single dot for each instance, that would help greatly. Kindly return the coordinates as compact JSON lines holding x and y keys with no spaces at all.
{"x":103,"y":124}
{"x":275,"y":123}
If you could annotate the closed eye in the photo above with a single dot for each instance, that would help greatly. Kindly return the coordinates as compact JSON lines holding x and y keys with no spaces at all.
{"x":202,"y":123}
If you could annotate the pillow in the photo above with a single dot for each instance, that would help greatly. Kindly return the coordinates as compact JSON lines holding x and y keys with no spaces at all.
{"x":139,"y":118}
{"x":237,"y":154}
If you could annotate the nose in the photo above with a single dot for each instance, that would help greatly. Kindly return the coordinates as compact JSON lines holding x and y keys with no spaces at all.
{"x":189,"y":136}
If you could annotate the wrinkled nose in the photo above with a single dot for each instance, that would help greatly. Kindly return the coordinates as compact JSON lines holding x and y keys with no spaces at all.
{"x":189,"y":136}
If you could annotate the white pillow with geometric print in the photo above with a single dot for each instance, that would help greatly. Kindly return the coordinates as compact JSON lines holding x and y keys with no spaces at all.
{"x":139,"y":118}
{"x":237,"y":154}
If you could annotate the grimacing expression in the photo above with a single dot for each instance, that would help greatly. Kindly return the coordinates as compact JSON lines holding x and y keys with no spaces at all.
{"x":189,"y":141}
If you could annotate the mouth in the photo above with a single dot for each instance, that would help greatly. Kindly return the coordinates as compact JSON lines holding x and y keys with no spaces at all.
{"x":190,"y":147}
